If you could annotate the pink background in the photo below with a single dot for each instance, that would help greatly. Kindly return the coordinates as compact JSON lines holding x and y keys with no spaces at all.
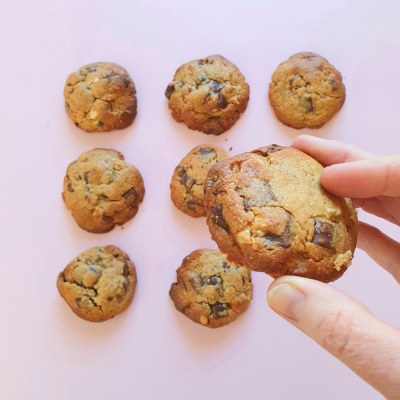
{"x":151,"y":351}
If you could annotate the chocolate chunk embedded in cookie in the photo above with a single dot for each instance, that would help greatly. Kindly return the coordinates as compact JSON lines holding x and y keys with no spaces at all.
{"x":102,"y":190}
{"x":188,"y":179}
{"x":267,"y":210}
{"x":100,"y":97}
{"x":306,"y":91}
{"x":99,"y":283}
{"x":210,"y":290}
{"x":208,"y":95}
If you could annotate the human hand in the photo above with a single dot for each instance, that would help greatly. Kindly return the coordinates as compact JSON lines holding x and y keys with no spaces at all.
{"x":342,"y":326}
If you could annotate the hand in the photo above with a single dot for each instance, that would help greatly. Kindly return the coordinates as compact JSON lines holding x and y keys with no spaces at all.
{"x":345,"y":328}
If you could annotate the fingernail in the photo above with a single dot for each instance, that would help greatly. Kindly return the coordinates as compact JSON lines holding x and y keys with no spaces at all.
{"x":287,"y":300}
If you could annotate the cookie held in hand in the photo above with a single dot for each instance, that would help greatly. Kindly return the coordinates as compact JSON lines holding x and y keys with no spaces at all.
{"x":267,"y":210}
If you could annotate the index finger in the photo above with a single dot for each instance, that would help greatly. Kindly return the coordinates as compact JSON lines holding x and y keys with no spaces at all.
{"x":379,"y":176}
{"x":329,"y":152}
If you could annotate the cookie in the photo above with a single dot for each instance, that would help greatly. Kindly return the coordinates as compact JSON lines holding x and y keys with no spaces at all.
{"x":208,"y":95}
{"x":267,"y":210}
{"x":306,"y":91}
{"x":102,"y":190}
{"x":210,"y":290}
{"x":99,"y":283}
{"x":188,"y":179}
{"x":100,"y":97}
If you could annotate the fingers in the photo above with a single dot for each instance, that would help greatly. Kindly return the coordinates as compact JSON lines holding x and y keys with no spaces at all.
{"x":370,"y":347}
{"x":381,"y":248}
{"x":379,"y":207}
{"x":379,"y":176}
{"x":329,"y":152}
{"x":352,"y":172}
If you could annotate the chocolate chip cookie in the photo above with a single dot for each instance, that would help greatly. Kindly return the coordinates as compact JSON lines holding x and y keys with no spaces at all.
{"x":267,"y":210}
{"x":99,"y":283}
{"x":210,"y":290}
{"x":100,"y":97}
{"x":306,"y":91}
{"x":188,"y":179}
{"x":102,"y":190}
{"x":208,"y":95}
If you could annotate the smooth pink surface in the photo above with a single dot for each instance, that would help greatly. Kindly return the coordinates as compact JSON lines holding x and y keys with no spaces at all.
{"x":151,"y":351}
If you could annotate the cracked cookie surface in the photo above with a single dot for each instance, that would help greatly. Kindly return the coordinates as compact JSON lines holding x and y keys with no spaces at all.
{"x":306,"y":91}
{"x":99,"y":283}
{"x":210,"y":290}
{"x":102,"y":190}
{"x":100,"y":97}
{"x":267,"y":210}
{"x":208,"y":95}
{"x":188,"y":179}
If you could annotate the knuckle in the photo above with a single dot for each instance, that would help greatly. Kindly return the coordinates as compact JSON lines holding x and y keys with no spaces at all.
{"x":337,"y":334}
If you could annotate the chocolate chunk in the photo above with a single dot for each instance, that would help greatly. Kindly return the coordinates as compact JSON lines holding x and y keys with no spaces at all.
{"x":111,"y":74}
{"x":190,"y":204}
{"x":219,"y":310}
{"x":129,"y":193}
{"x":91,"y":69}
{"x":205,"y":151}
{"x":213,"y":280}
{"x":284,"y":240}
{"x":169,"y":90}
{"x":200,"y":62}
{"x":307,"y":103}
{"x":181,"y":171}
{"x":70,"y":188}
{"x":215,"y":86}
{"x":126,"y":269}
{"x":107,"y":219}
{"x":323,"y":234}
{"x":221,"y":101}
{"x":85,"y":176}
{"x":217,"y":218}
{"x":126,"y":81}
{"x":187,"y":180}
{"x":206,"y":98}
{"x":333,"y":84}
{"x":268,"y":150}
{"x":197,"y":281}
{"x":225,"y":265}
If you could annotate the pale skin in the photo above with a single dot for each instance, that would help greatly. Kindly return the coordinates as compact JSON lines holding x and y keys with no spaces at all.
{"x":344,"y":327}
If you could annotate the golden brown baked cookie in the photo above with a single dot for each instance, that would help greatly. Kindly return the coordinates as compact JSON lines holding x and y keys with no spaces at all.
{"x":100,"y":97}
{"x":102,"y":190}
{"x":211,"y":290}
{"x":306,"y":91}
{"x":188,"y":179}
{"x":99,"y":283}
{"x":267,"y":210}
{"x":208,"y":95}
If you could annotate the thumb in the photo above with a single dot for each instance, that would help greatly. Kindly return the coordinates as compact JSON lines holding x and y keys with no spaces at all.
{"x":345,"y":328}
